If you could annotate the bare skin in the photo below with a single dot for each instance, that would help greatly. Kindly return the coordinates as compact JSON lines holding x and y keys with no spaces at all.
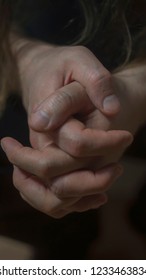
{"x":88,"y":158}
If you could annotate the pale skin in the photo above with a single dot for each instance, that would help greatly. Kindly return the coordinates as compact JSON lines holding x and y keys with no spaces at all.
{"x":55,"y":188}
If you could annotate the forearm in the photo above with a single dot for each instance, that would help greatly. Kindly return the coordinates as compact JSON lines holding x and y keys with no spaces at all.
{"x":131,"y":90}
{"x":38,"y":79}
{"x":26,"y":51}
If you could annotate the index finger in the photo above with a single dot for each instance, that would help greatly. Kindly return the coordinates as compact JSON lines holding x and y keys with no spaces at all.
{"x":45,"y":164}
{"x":77,"y":140}
{"x":59,"y":106}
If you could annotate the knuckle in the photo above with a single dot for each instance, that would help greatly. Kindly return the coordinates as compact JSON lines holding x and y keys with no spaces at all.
{"x":13,"y":156}
{"x":58,"y":187}
{"x":62,"y":97}
{"x":106,"y":77}
{"x":77,"y":147}
{"x":44,"y":168}
{"x":79,"y":49}
{"x":53,"y":210}
{"x":103,"y":78}
{"x":96,"y":77}
{"x":73,"y":53}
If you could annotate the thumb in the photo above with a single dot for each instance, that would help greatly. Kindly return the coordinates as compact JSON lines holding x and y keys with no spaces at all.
{"x":100,"y":89}
{"x":97,"y":81}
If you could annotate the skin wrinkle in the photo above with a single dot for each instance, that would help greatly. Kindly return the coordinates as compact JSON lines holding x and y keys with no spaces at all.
{"x":78,"y":206}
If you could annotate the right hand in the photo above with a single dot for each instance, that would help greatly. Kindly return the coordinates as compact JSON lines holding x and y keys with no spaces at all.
{"x":79,"y":128}
{"x":45,"y":68}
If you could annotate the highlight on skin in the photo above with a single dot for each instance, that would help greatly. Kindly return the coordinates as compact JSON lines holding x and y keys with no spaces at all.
{"x":98,"y":17}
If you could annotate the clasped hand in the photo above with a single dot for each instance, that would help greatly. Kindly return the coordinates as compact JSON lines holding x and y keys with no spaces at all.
{"x":72,"y":162}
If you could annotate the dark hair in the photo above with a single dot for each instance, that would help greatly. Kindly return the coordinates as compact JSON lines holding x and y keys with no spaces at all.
{"x":101,"y":25}
{"x":115,"y":30}
{"x":7,"y":64}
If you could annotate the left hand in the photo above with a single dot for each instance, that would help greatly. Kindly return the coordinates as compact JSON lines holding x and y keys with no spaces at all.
{"x":40,"y":176}
{"x":55,"y":182}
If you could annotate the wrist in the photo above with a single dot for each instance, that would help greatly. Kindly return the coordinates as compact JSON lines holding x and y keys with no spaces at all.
{"x":27,"y":53}
{"x":130,"y":87}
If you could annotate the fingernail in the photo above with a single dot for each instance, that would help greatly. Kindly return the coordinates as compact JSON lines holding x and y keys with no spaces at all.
{"x":40,"y":119}
{"x":111,"y":104}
